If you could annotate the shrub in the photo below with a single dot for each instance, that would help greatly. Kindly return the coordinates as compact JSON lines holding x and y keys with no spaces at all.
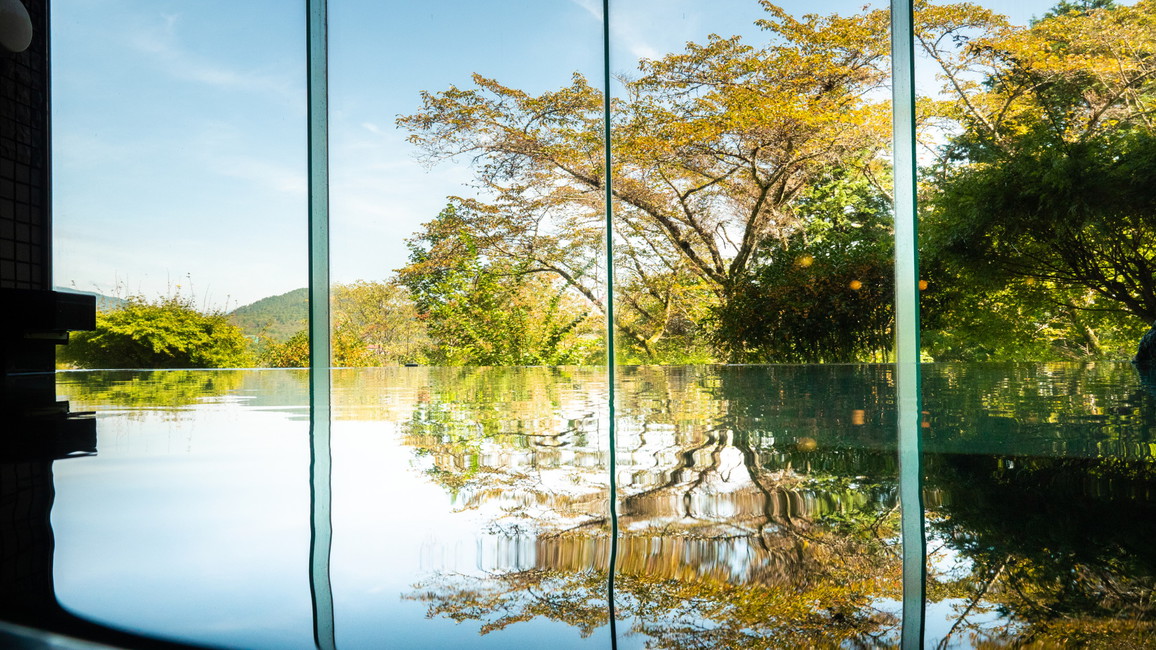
{"x":166,"y":333}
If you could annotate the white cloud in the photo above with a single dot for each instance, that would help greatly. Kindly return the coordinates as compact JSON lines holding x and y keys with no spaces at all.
{"x":278,"y":177}
{"x":592,"y":7}
{"x":230,"y":150}
{"x":379,"y":196}
{"x":163,"y":45}
{"x":374,"y":129}
{"x":626,"y":31}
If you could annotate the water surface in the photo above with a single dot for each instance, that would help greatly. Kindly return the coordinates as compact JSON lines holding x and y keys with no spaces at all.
{"x":758,"y":507}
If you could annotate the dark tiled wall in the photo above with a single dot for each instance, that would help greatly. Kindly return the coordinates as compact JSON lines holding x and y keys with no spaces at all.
{"x":26,"y":545}
{"x":25,"y":261}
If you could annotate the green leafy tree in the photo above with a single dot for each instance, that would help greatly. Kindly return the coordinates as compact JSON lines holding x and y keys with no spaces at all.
{"x":164,"y":333}
{"x":823,"y":293}
{"x":1050,"y":175}
{"x":712,"y":146}
{"x":381,"y":320}
{"x":1079,"y":215}
{"x":481,"y":311}
{"x":293,"y":353}
{"x":972,"y":315}
{"x":348,"y":351}
{"x":1084,"y":7}
{"x":374,"y":324}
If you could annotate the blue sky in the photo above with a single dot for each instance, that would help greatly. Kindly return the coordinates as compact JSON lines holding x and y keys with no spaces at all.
{"x":179,"y":125}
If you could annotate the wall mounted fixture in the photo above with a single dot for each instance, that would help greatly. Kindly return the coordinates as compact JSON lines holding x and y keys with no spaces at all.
{"x":15,"y":26}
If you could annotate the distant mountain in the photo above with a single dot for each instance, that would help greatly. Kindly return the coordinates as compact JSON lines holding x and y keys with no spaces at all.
{"x":275,"y":317}
{"x":103,"y":302}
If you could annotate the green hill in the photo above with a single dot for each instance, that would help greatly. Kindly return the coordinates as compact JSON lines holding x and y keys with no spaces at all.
{"x":275,"y":317}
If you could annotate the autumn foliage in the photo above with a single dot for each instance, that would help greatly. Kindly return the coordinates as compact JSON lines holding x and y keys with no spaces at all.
{"x":1038,"y":144}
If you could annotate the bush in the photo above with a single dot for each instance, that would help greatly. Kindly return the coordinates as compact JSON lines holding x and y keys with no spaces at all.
{"x":166,"y":333}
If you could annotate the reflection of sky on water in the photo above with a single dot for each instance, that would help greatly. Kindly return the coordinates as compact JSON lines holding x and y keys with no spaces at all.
{"x":190,"y":524}
{"x":392,"y":529}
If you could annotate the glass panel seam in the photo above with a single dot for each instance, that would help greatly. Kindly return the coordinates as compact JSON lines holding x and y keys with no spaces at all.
{"x":320,"y":380}
{"x":907,"y":372}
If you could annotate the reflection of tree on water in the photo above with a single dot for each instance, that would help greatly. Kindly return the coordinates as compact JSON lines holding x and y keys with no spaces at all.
{"x":161,"y":390}
{"x":758,"y":507}
{"x":809,"y":585}
{"x":1148,"y":379}
{"x":727,"y":535}
{"x":1061,"y":548}
{"x":824,"y":610}
{"x":148,"y":388}
{"x":520,"y":444}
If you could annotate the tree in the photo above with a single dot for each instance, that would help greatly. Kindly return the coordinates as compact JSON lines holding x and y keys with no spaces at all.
{"x":1085,"y":7}
{"x":382,"y":318}
{"x":712,"y":146}
{"x":292,"y":353}
{"x":1050,"y":175}
{"x":373,"y":324}
{"x":972,"y":314}
{"x":1044,"y":175}
{"x":825,"y":292}
{"x":164,"y":333}
{"x":485,"y":311}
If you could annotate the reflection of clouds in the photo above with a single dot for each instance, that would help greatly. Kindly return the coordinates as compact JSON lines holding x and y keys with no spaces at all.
{"x":191,"y":522}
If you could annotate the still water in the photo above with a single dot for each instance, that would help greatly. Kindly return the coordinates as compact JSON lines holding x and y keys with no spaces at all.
{"x":758,"y":507}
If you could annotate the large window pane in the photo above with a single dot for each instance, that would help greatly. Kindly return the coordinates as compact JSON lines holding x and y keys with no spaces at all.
{"x":470,"y":496}
{"x":753,"y":223}
{"x":179,"y":151}
{"x":1037,"y":250}
{"x":178,"y":185}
